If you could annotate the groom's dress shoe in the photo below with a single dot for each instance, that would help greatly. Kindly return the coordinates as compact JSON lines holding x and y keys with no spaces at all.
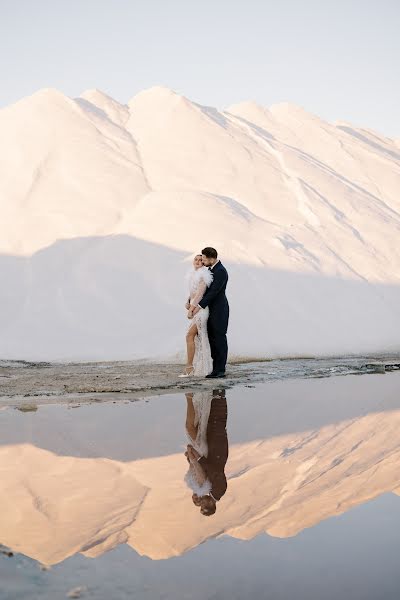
{"x":215,"y":374}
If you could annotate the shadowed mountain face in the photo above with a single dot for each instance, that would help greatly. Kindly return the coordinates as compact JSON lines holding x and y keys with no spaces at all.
{"x":281,"y":477}
{"x":118,"y":297}
{"x":103,"y":205}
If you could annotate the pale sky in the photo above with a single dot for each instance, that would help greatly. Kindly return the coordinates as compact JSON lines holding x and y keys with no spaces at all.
{"x":337,"y":58}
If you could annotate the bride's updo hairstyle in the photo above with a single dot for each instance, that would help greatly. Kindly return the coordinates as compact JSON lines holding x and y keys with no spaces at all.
{"x":210,"y":252}
{"x":197,"y":256}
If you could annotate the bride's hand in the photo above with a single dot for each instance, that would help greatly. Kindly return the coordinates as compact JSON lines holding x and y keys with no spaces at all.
{"x":193,"y":453}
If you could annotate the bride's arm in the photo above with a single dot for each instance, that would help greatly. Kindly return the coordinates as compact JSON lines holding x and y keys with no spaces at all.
{"x":198,"y":469}
{"x":199,"y":473}
{"x":201,"y":289}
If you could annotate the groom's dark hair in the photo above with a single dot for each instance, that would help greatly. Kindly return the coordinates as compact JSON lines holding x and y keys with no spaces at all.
{"x":210,"y":252}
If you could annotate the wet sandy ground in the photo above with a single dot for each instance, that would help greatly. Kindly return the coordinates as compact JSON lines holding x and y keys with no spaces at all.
{"x":28,"y":384}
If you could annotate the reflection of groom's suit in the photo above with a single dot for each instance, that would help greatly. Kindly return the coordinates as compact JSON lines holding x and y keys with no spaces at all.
{"x":217,"y":441}
{"x":217,"y":324}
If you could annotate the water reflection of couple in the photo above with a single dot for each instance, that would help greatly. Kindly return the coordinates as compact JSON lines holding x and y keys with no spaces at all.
{"x":207,"y":450}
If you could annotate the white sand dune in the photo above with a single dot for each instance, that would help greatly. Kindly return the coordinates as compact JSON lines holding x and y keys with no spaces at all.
{"x":305,"y":214}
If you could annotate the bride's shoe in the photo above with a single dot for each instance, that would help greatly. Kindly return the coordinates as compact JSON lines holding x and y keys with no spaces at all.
{"x":188,"y":372}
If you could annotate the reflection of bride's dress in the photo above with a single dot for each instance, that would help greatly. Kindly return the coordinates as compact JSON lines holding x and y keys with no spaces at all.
{"x":199,"y":280}
{"x":202,"y":406}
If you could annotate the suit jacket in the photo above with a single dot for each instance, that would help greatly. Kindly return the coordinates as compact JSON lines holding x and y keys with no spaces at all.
{"x":215,"y":296}
{"x":217,"y":440}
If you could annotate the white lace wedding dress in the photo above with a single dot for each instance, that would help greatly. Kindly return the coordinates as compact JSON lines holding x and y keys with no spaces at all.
{"x":199,"y":280}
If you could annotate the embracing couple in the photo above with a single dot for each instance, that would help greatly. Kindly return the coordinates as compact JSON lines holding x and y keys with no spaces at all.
{"x":208,"y":314}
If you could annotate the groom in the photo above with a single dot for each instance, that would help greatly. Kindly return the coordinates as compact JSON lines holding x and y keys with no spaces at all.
{"x":215,"y":299}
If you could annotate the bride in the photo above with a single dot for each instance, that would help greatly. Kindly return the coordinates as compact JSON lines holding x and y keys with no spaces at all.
{"x":199,"y":360}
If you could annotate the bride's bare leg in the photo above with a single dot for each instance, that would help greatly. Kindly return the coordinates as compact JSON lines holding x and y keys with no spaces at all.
{"x":191,"y":334}
{"x":190,"y":414}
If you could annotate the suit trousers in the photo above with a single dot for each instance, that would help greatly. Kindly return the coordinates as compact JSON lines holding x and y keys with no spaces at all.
{"x":217,"y":326}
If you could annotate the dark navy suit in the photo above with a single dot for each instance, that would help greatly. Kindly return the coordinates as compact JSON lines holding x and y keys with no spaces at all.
{"x":217,"y":324}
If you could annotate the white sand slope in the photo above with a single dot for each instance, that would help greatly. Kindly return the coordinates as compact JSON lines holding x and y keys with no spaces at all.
{"x":53,"y":506}
{"x":282,"y":194}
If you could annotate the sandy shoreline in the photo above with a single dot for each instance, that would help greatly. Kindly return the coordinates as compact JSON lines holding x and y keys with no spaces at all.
{"x":24,"y":384}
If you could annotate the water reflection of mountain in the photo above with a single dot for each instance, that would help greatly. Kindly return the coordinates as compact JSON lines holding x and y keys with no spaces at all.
{"x":55,"y":506}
